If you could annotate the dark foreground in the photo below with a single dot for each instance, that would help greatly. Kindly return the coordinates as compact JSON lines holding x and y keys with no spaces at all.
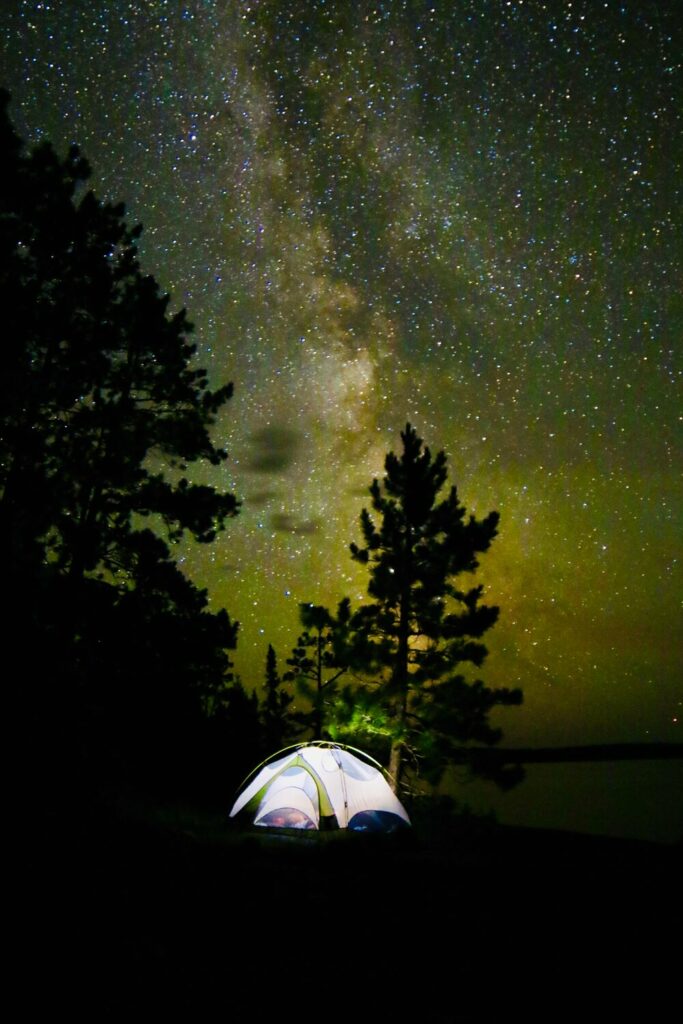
{"x":124,"y":917}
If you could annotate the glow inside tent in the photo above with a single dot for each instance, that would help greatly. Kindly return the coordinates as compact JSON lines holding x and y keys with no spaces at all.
{"x":321,"y":786}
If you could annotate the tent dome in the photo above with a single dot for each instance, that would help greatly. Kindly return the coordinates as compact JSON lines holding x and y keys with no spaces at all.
{"x":320,"y":786}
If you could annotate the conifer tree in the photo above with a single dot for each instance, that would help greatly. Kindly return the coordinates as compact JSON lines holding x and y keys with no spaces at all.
{"x":423,"y":625}
{"x":317,"y":662}
{"x":103,"y":412}
{"x":277,"y":721}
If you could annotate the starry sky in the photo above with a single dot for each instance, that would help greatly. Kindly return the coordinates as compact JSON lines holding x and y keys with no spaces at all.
{"x":460,"y":214}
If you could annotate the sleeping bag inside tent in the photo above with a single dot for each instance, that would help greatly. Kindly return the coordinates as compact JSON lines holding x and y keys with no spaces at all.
{"x":320,"y":786}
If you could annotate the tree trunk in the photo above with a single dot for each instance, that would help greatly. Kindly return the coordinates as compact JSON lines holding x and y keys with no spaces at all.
{"x":400,"y":678}
{"x":395,"y":765}
{"x":318,"y":721}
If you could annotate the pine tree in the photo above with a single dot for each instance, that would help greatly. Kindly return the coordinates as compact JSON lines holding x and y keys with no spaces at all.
{"x":102,"y":413}
{"x":422,"y":626}
{"x":277,"y":721}
{"x":101,"y":409}
{"x":317,"y":662}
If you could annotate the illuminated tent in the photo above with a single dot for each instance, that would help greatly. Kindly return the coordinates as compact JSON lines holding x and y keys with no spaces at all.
{"x":320,"y":786}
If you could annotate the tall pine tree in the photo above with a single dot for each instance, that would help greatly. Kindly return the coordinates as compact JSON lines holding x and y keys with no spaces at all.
{"x":102,"y":413}
{"x":422,"y":625}
{"x":277,"y":720}
{"x":318,"y":662}
{"x":102,"y":409}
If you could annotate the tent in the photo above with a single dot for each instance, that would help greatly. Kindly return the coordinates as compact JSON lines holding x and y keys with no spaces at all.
{"x":320,"y":786}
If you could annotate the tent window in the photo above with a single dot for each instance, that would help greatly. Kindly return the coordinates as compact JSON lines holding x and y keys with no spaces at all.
{"x":376,"y":821}
{"x":286,"y":817}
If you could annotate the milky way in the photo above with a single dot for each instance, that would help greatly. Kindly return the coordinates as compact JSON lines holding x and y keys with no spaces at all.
{"x":462,"y":215}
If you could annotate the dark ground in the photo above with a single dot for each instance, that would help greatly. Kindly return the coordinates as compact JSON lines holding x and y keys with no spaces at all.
{"x":125,"y":915}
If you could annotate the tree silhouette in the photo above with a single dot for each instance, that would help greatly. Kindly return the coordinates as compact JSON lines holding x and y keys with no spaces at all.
{"x":101,"y":413}
{"x":318,"y":662}
{"x":97,"y":386}
{"x":421,"y":627}
{"x":278,"y":724}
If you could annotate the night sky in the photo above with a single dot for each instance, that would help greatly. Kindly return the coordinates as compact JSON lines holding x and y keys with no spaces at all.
{"x":464,"y":215}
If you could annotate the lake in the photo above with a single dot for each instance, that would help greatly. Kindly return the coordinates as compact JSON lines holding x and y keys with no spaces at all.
{"x":631,"y":799}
